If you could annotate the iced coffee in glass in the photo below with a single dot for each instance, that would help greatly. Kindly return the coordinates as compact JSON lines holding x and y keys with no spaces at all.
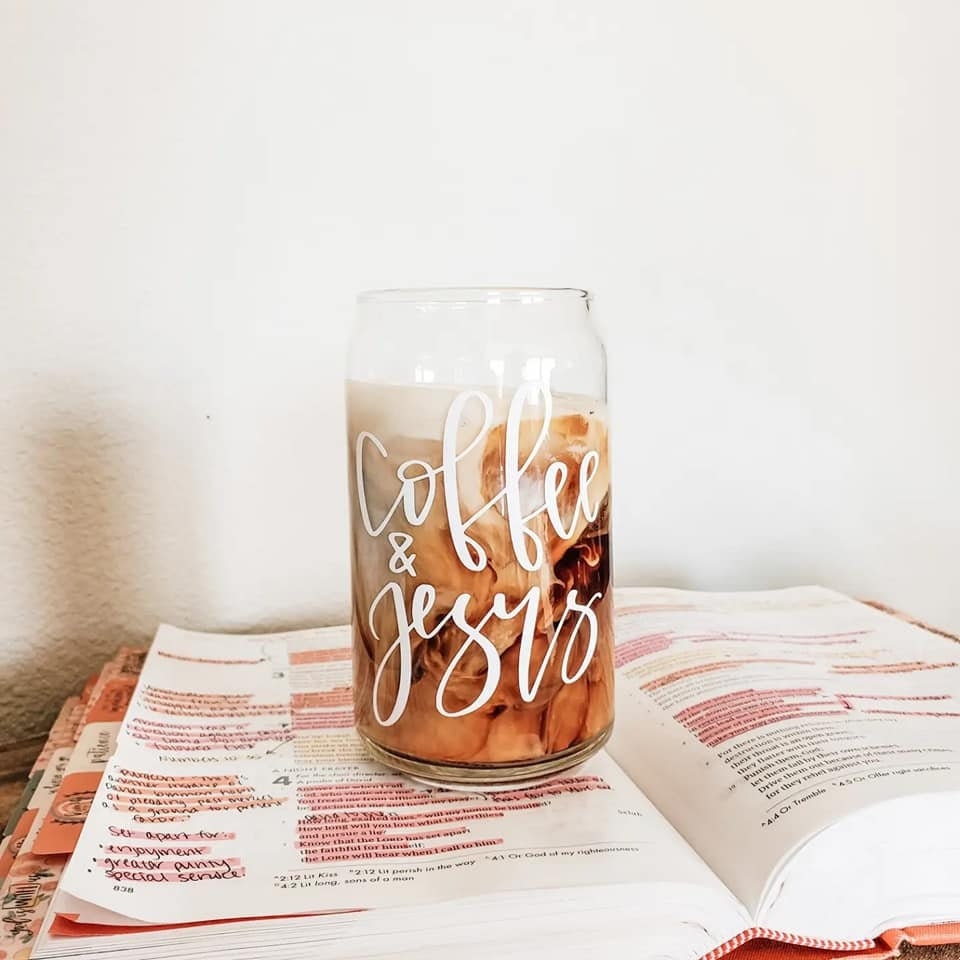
{"x":480,"y":510}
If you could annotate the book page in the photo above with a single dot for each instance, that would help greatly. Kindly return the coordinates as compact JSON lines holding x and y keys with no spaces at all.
{"x":240,"y":789}
{"x":755,"y":720}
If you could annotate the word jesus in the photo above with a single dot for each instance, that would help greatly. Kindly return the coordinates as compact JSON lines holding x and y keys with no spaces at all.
{"x":414,"y":624}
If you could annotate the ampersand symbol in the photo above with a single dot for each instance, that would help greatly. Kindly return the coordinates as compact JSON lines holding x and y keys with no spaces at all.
{"x":400,"y":562}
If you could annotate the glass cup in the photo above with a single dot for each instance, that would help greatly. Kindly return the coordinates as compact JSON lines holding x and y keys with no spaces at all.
{"x":480,"y":508}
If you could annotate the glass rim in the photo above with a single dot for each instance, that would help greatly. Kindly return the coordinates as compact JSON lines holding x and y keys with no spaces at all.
{"x":457,"y":295}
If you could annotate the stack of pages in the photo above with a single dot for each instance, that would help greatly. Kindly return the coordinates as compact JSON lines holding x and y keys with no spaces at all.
{"x":785,"y":770}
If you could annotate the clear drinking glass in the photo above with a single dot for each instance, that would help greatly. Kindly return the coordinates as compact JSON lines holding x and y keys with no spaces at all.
{"x":480,"y":509}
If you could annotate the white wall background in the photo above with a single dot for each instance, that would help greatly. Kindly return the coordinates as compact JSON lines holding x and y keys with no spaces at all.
{"x":763,"y":195}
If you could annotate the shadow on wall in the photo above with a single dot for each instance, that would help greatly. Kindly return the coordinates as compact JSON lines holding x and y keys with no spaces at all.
{"x":102,"y":535}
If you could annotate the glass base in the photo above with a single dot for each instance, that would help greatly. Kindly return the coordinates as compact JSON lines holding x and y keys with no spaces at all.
{"x":487,"y":776}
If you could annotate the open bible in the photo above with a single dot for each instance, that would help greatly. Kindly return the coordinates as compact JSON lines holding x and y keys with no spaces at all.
{"x":785,"y":768}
